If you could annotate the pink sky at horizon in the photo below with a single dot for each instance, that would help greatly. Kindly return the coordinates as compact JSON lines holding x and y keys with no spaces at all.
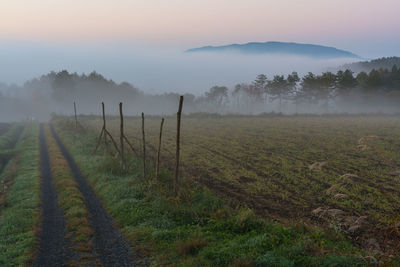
{"x":198,"y":22}
{"x":141,"y":41}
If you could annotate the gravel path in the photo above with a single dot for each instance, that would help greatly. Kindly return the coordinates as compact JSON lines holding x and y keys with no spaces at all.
{"x":108,"y":242}
{"x":53,"y":245}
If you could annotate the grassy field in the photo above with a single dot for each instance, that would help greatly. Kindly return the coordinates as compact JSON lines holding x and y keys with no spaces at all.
{"x":298,"y":170}
{"x":255,"y":191}
{"x":197,"y":228}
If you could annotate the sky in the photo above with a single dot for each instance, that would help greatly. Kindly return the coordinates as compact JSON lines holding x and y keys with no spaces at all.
{"x":55,"y":30}
{"x":343,"y":23}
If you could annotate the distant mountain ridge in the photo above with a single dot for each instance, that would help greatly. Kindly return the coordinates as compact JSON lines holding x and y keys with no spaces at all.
{"x":308,"y":50}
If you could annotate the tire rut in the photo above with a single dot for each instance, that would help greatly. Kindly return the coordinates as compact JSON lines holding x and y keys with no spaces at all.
{"x":109,"y":243}
{"x":52,"y":245}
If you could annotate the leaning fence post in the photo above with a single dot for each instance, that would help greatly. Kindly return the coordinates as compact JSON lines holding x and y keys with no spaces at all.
{"x":159,"y":150}
{"x":76,"y":119}
{"x":104,"y":122}
{"x":102,"y":130}
{"x":121,"y":137}
{"x":105,"y":133}
{"x":178,"y":135}
{"x":144,"y":147}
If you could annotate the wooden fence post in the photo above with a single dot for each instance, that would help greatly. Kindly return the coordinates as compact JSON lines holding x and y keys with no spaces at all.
{"x":144,"y":147}
{"x":121,"y":137}
{"x":105,"y":133}
{"x":159,"y":150}
{"x":104,"y":122}
{"x":102,"y":129}
{"x":178,"y":135}
{"x":76,"y":119}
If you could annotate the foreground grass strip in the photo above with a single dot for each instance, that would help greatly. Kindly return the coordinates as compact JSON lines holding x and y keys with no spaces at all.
{"x":112,"y":248}
{"x":19,"y":220}
{"x":71,"y":201}
{"x":199,"y":229}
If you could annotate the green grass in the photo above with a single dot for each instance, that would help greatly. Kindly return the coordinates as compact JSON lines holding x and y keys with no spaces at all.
{"x":197,"y":229}
{"x":20,"y":218}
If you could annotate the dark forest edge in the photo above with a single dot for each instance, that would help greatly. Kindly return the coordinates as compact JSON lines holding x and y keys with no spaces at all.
{"x":367,"y":66}
{"x":377,"y":91}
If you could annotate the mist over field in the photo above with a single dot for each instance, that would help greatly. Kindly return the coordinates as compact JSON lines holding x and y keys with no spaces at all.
{"x":38,"y":79}
{"x":153,"y":69}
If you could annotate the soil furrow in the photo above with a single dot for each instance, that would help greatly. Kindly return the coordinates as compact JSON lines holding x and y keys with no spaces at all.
{"x":4,"y":127}
{"x":53,"y":246}
{"x":8,"y":178}
{"x":11,"y":145}
{"x":108,"y":241}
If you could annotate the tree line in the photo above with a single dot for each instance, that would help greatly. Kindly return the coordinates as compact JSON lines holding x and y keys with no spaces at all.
{"x":367,"y":66}
{"x":323,"y":92}
{"x":328,"y":92}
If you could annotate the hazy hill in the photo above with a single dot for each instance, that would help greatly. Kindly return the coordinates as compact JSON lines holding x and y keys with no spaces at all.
{"x":308,"y":50}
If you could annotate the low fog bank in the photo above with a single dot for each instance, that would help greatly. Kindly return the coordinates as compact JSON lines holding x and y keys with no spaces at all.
{"x":152,"y":73}
{"x":343,"y":92}
{"x":158,"y":69}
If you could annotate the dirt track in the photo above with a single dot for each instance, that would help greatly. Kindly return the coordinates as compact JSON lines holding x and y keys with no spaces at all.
{"x":53,"y":245}
{"x":109,"y":244}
